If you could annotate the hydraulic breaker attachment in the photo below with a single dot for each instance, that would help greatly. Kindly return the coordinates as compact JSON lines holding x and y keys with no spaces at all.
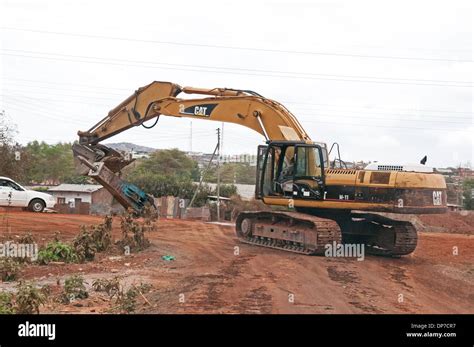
{"x":112,"y":159}
{"x":101,"y":165}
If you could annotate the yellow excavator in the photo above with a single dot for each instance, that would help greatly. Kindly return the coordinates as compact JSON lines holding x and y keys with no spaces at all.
{"x":324,"y":204}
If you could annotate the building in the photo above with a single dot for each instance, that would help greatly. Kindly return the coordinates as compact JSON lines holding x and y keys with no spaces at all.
{"x":246,"y":191}
{"x":84,"y":199}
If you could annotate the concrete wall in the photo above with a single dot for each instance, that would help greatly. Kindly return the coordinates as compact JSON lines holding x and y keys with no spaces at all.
{"x":169,"y":207}
{"x":70,"y":196}
{"x":104,"y":203}
{"x":246,"y":191}
{"x":199,"y":213}
{"x":82,"y":208}
{"x":100,"y":202}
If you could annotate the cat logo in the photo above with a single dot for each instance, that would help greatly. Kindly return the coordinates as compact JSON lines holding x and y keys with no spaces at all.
{"x":200,"y":111}
{"x":203,"y":110}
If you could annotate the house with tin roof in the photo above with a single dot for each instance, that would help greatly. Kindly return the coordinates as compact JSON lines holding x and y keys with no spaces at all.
{"x":84,"y":199}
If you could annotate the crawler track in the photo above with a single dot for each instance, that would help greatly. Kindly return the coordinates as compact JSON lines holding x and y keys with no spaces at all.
{"x":288,"y":231}
{"x":381,"y":235}
{"x":404,"y":242}
{"x":306,"y":234}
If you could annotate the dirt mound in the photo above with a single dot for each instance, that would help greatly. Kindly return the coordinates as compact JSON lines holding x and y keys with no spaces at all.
{"x":207,"y":275}
{"x":461,"y":222}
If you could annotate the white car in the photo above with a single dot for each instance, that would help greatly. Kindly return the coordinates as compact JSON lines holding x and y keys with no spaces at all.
{"x":14,"y":195}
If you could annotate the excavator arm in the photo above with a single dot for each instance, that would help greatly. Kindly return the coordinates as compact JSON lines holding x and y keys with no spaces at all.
{"x":267,"y":117}
{"x":247,"y":108}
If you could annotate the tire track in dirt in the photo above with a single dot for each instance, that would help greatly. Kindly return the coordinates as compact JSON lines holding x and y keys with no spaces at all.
{"x":358,"y":296}
{"x":206,"y":292}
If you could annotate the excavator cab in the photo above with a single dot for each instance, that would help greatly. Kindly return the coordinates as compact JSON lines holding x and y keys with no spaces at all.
{"x":290,"y":169}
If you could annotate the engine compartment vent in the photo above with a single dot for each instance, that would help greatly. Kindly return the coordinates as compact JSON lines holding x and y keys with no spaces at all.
{"x":389,"y":167}
{"x":341,"y":172}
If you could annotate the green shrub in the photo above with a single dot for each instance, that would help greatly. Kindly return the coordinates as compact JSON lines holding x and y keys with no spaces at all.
{"x":133,"y":234}
{"x":29,"y":298}
{"x":127,"y":301}
{"x":93,"y":239}
{"x":57,"y":251}
{"x":6,"y":303}
{"x":110,"y":286}
{"x":74,"y":289}
{"x":9,"y":269}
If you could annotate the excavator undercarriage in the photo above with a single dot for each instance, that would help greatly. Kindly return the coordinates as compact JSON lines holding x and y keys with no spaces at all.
{"x":307,"y":234}
{"x":289,"y":231}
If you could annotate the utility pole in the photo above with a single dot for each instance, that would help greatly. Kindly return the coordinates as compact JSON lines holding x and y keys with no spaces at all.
{"x":222,"y":140}
{"x":218,"y":174}
{"x":191,"y":136}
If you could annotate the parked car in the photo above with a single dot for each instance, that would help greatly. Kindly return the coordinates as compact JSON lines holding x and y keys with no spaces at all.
{"x":14,"y":195}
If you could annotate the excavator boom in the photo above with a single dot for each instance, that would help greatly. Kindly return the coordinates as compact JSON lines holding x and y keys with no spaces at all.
{"x":247,"y":108}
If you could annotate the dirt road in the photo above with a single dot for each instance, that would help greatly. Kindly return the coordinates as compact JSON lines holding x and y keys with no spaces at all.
{"x":214,"y":273}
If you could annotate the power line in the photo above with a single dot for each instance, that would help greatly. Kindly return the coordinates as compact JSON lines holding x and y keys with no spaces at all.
{"x":317,"y":110}
{"x":387,"y":126}
{"x":316,"y":114}
{"x":22,"y":107}
{"x":370,"y":108}
{"x":62,"y":83}
{"x":54,"y":100}
{"x":25,"y":108}
{"x":235,"y":68}
{"x":383,"y":119}
{"x":215,"y":70}
{"x":378,"y":108}
{"x":66,"y":95}
{"x":19,"y":84}
{"x":37,"y":106}
{"x":267,"y":50}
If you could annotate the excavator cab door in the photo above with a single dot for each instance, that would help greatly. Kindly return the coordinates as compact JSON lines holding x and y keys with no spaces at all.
{"x":308,"y":177}
{"x":261,"y":152}
{"x":290,"y":170}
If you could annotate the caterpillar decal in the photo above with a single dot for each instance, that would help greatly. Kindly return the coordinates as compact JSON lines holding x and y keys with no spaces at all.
{"x":203,"y":110}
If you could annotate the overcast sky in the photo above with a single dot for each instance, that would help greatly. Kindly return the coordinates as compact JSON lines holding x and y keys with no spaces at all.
{"x":389,"y":81}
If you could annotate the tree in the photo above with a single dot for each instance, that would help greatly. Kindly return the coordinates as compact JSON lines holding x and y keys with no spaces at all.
{"x":468,"y":190}
{"x":171,"y":173}
{"x":51,"y":164}
{"x":13,"y":159}
{"x":241,"y":173}
{"x":171,"y":162}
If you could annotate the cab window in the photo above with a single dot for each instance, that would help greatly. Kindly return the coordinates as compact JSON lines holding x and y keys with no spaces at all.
{"x":308,"y":162}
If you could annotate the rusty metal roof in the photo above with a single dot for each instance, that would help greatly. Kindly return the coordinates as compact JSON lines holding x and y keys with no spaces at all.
{"x":77,"y":188}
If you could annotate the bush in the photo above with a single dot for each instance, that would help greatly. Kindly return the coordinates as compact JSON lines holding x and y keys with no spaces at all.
{"x":27,"y":238}
{"x":111,"y":287}
{"x":57,"y":251}
{"x":84,"y":245}
{"x":6,"y":303}
{"x":93,"y":239}
{"x":137,"y":240}
{"x":74,"y":289}
{"x":29,"y":298}
{"x":468,"y":188}
{"x":9,"y":269}
{"x":226,"y":190}
{"x":126,"y":301}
